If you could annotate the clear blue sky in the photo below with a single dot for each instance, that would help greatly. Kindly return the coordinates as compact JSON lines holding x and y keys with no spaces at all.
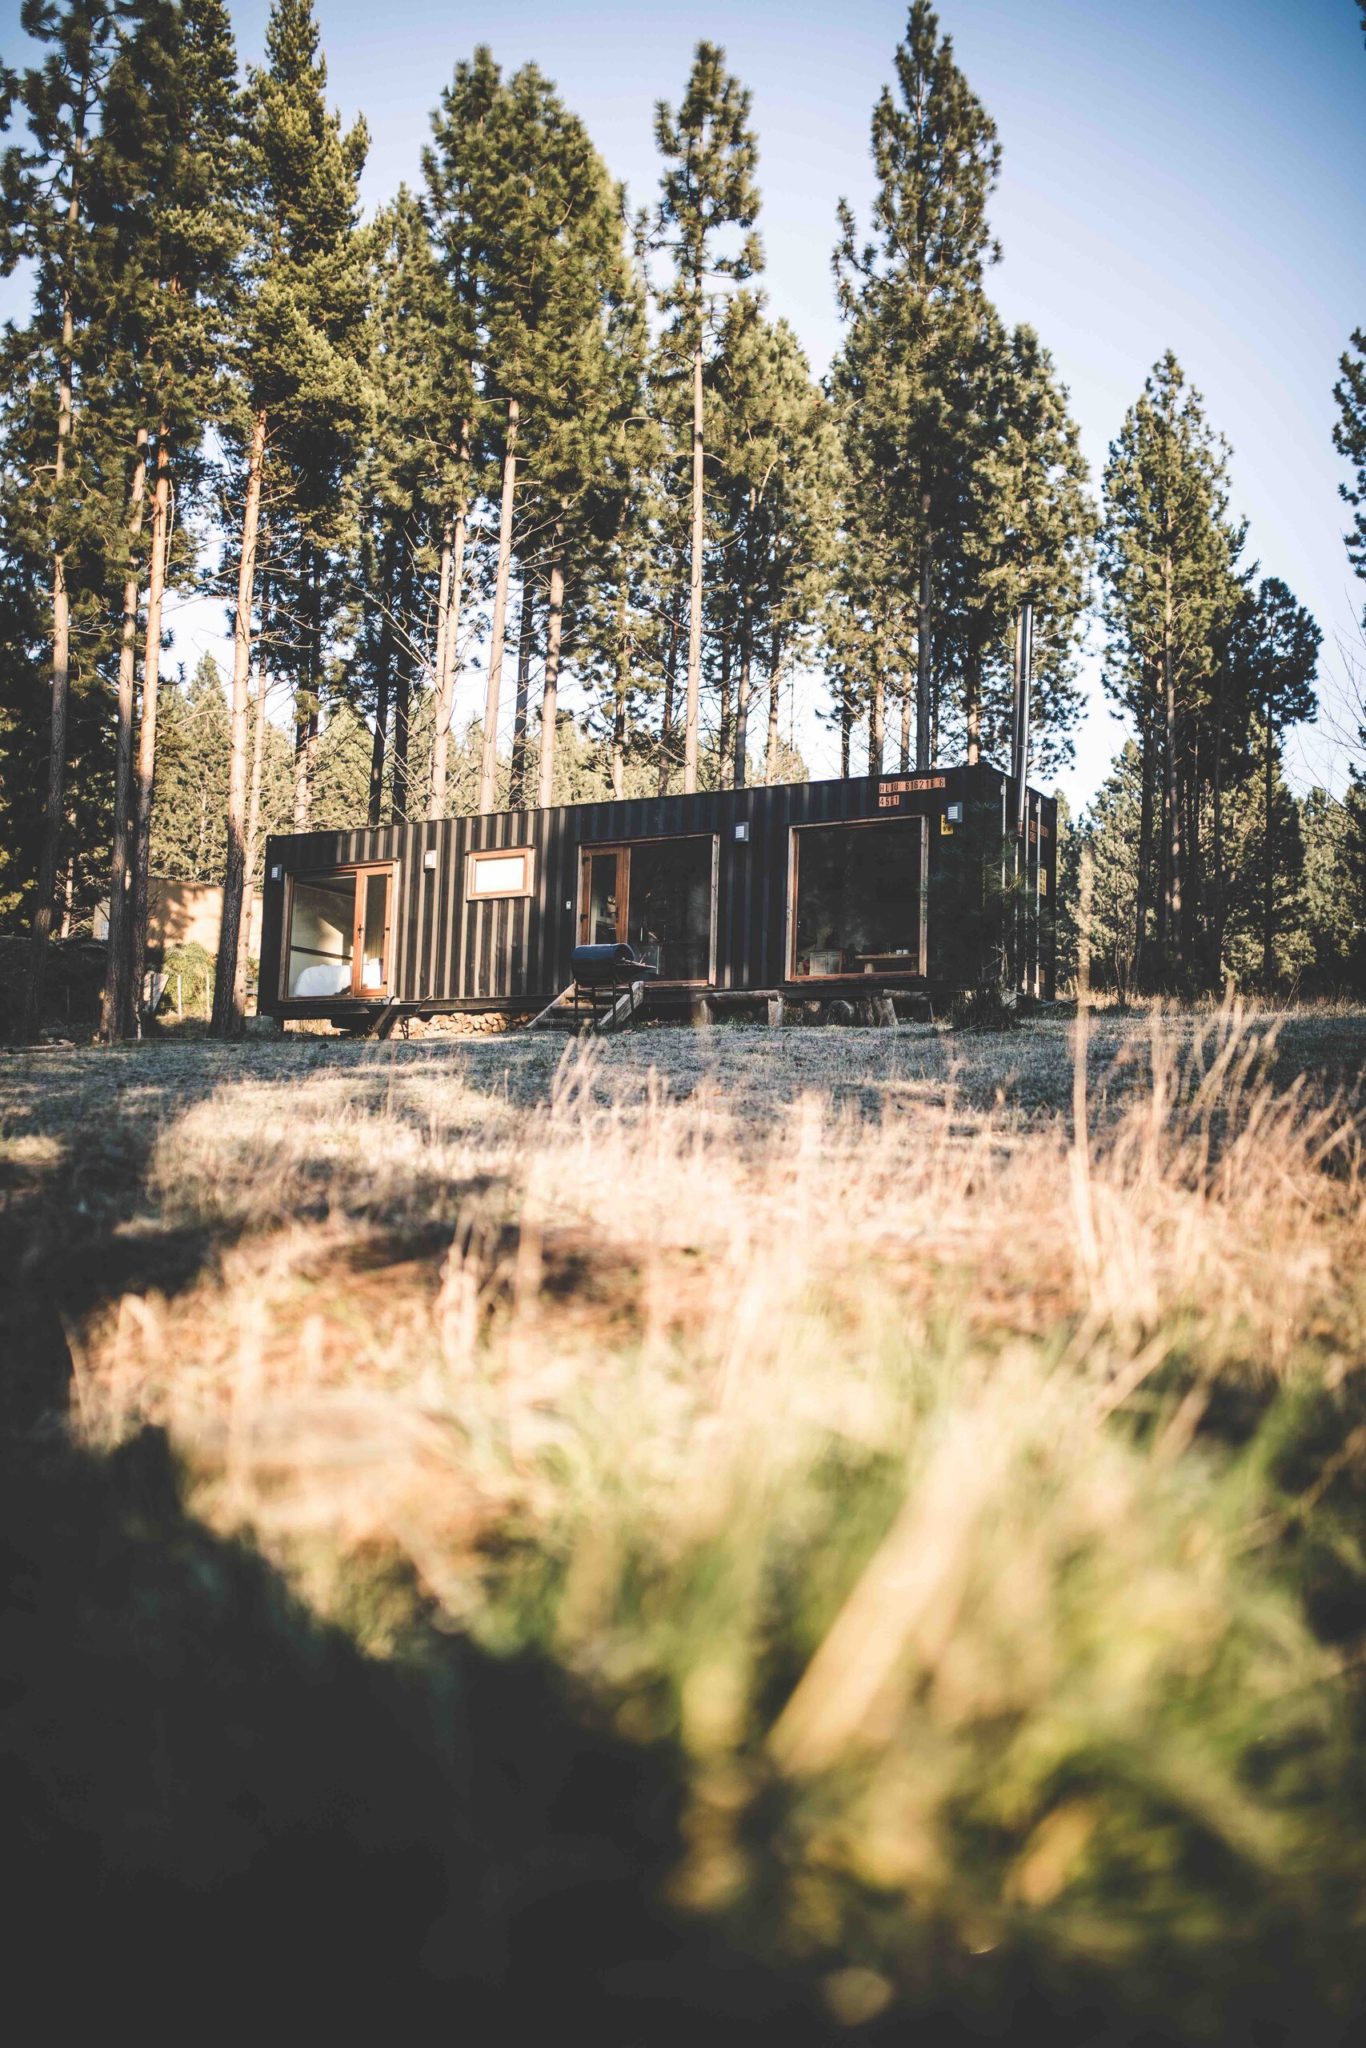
{"x":1183,"y":173}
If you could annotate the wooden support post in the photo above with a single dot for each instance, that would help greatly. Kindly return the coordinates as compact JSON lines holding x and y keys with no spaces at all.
{"x":701,"y":1013}
{"x":775,"y":1010}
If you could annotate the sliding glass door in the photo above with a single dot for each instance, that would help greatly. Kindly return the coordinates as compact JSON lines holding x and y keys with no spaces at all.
{"x":655,"y":896}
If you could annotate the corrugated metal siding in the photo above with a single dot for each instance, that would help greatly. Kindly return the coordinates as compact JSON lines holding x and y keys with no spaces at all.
{"x":448,"y":948}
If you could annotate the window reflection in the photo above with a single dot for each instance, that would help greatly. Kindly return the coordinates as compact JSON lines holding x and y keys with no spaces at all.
{"x":858,"y":898}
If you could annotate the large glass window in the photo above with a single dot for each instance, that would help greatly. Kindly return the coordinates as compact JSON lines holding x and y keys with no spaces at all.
{"x":655,"y":897}
{"x":858,"y":898}
{"x":338,"y":942}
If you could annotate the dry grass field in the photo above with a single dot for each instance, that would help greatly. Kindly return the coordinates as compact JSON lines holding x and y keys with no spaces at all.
{"x":743,"y":1535}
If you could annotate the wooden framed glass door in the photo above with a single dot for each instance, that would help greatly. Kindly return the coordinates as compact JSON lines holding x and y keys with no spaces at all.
{"x":374,"y":896}
{"x":657,"y":896}
{"x":602,"y":895}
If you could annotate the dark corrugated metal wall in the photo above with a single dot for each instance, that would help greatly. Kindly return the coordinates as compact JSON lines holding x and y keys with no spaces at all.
{"x":517,"y":949}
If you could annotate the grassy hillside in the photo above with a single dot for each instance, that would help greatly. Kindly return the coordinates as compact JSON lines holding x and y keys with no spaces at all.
{"x":759,"y":1535}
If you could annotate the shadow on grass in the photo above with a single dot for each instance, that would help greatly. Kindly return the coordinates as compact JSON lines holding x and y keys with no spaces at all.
{"x":215,"y":1805}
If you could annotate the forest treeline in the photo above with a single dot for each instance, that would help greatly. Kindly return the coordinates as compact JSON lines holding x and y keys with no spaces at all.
{"x":514,"y":445}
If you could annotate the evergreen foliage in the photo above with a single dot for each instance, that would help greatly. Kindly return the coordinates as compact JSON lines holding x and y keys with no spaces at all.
{"x":1349,"y":438}
{"x":189,"y":824}
{"x":500,"y":427}
{"x":965,"y":491}
{"x":1170,"y":556}
{"x":709,"y":202}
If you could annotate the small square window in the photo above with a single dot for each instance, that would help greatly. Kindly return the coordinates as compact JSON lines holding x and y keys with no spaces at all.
{"x":500,"y":872}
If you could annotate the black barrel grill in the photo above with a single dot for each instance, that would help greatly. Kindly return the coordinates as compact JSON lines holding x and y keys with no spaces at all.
{"x":603,"y":974}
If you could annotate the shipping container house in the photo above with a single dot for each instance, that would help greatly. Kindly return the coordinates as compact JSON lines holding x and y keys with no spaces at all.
{"x":935,"y":881}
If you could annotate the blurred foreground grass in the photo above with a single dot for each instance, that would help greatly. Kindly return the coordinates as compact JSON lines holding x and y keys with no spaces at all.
{"x":794,"y":1536}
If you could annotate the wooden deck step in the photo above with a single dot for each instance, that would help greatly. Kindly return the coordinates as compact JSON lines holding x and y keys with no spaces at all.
{"x":622,"y":1010}
{"x":558,"y":1014}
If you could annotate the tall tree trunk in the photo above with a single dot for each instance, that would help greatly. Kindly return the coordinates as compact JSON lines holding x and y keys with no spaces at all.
{"x":1193,"y":870}
{"x":974,"y":705}
{"x":307,"y":700}
{"x":54,"y":807}
{"x":623,"y":686}
{"x":877,"y":706}
{"x":517,"y":783}
{"x":448,"y":641}
{"x":690,"y":730}
{"x":147,"y":728}
{"x":399,"y":793}
{"x":1216,"y":949}
{"x":384,"y":664}
{"x":550,"y":691}
{"x":904,"y":755}
{"x":724,"y":732}
{"x":746,"y":653}
{"x":258,"y":752}
{"x":846,"y":735}
{"x":115,"y":1009}
{"x":1144,"y":895}
{"x":775,"y":675}
{"x":877,"y":703}
{"x":227,"y":1016}
{"x":1268,"y":863}
{"x":488,"y":767}
{"x":924,"y":754}
{"x":1171,"y":810}
{"x":666,"y":728}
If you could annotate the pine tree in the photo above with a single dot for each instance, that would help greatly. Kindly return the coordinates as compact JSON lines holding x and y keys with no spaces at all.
{"x":593,"y":442}
{"x":189,"y":830}
{"x":1349,"y":438}
{"x":911,"y":299}
{"x":1028,"y":539}
{"x":557,"y":290}
{"x":302,"y":392}
{"x":776,"y":466}
{"x":1169,"y":556}
{"x":1281,"y":661}
{"x":456,"y":179}
{"x":342,"y":772}
{"x":408,"y":553}
{"x":163,"y":193}
{"x":1262,"y":819}
{"x":709,"y":202}
{"x":1332,"y":932}
{"x":45,"y":192}
{"x":1108,"y":832}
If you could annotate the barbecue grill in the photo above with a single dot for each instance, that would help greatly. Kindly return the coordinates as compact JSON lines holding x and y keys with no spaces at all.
{"x":603,"y":974}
